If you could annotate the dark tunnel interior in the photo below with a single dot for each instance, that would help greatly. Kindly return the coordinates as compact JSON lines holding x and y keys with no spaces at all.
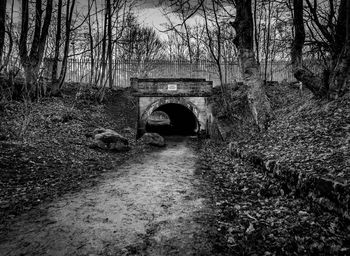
{"x":182,"y":121}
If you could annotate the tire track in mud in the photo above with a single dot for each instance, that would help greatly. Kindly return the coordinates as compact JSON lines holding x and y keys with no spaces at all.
{"x":155,"y":204}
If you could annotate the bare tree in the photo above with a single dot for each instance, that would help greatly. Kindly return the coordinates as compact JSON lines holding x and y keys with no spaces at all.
{"x":214,"y":46}
{"x":268,"y":36}
{"x":106,"y":43}
{"x":335,"y":82}
{"x":103,"y":56}
{"x":181,"y":8}
{"x":198,"y":34}
{"x":9,"y":31}
{"x":57,"y":85}
{"x":110,"y":42}
{"x":175,"y":46}
{"x":141,"y":43}
{"x":31,"y":60}
{"x":57,"y":42}
{"x":91,"y":41}
{"x":339,"y":82}
{"x":256,"y":30}
{"x":299,"y":39}
{"x":2,"y":28}
{"x":243,"y":24}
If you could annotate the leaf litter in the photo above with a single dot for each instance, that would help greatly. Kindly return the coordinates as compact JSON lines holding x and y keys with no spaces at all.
{"x":256,"y":216}
{"x":48,"y":155}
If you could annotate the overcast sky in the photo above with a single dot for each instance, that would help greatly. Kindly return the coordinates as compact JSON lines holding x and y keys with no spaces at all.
{"x":151,"y":14}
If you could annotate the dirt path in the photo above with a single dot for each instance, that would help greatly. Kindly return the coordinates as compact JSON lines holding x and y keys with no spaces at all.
{"x":153,"y":205}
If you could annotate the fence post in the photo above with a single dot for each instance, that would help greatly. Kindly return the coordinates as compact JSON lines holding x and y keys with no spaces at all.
{"x":78,"y":70}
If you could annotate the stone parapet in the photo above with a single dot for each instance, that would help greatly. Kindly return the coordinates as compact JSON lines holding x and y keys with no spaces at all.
{"x":184,"y":87}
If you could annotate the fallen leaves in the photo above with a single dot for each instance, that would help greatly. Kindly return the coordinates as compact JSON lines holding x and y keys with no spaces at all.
{"x":255,"y":216}
{"x":306,"y":147}
{"x":250,"y":229}
{"x":53,"y":158}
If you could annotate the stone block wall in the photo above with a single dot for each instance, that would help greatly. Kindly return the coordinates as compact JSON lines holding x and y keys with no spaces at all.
{"x":171,"y":86}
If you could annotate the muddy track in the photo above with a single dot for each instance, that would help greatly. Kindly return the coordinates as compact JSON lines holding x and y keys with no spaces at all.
{"x":155,"y":204}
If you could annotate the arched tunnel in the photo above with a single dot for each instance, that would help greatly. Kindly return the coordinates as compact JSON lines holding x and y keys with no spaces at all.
{"x":172,"y":119}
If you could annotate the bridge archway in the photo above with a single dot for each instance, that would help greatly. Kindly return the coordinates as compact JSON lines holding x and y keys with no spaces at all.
{"x":184,"y":100}
{"x":184,"y":115}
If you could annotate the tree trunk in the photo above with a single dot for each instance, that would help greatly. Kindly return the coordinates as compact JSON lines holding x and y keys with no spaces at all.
{"x":2,"y":27}
{"x":103,"y":55}
{"x":301,"y":74}
{"x":98,"y":52}
{"x":101,"y":92}
{"x":91,"y":40}
{"x":211,"y":44}
{"x":309,"y":80}
{"x":188,"y":40}
{"x":31,"y":63}
{"x":256,"y":32}
{"x":109,"y":47}
{"x":57,"y":42}
{"x":337,"y":83}
{"x":57,"y":86}
{"x":340,"y":77}
{"x":268,"y":40}
{"x":10,"y":47}
{"x":258,"y":101}
{"x":23,"y":50}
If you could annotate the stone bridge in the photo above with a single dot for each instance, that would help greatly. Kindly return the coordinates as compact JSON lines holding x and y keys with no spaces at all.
{"x":183,"y":100}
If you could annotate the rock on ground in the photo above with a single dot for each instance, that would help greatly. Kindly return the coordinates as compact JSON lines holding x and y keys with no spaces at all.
{"x":109,"y":139}
{"x":153,"y":139}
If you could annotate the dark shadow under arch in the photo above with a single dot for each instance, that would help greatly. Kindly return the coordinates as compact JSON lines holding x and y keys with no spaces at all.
{"x":184,"y":113}
{"x":182,"y":121}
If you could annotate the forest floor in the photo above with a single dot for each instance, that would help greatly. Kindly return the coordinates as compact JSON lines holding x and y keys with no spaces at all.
{"x":286,"y":191}
{"x":307,"y":147}
{"x":155,"y":203}
{"x":44,"y":151}
{"x":53,"y":186}
{"x":307,"y":134}
{"x":255,"y":216}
